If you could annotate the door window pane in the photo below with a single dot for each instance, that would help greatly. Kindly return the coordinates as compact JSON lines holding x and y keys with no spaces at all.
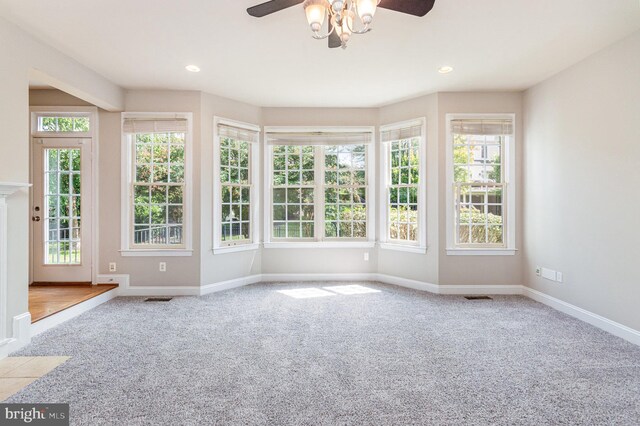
{"x":62,"y":206}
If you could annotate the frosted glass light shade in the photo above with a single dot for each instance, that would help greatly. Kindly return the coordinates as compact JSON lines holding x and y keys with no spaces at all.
{"x":315,"y":11}
{"x":367,"y":10}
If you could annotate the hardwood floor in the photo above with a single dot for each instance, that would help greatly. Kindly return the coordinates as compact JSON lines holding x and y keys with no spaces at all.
{"x":48,"y":299}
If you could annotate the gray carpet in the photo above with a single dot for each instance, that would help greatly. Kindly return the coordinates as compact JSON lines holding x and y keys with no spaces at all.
{"x":254,"y":355}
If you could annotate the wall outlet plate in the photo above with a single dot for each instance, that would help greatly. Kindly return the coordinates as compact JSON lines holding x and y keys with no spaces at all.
{"x":163,"y":267}
{"x":538,"y":270}
{"x":113,"y":267}
{"x":366,"y":256}
{"x":559,"y":277}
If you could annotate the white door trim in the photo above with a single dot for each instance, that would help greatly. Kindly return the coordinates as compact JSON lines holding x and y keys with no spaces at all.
{"x":95,"y":165}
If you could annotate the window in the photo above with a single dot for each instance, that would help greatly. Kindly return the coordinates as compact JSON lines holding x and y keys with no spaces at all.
{"x":403,"y":221}
{"x":236,"y":199}
{"x":318,"y":187}
{"x":63,"y":124}
{"x":480,"y":172}
{"x":158,"y":193}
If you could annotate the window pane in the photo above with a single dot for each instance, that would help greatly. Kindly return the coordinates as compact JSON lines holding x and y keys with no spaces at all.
{"x":158,"y":189}
{"x":61,"y":124}
{"x":62,"y":210}
{"x":403,"y":190}
{"x":235,"y":163}
{"x":478,"y":173}
{"x":345,"y":191}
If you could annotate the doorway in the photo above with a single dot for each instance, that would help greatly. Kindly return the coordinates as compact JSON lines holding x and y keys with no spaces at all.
{"x":61,"y":211}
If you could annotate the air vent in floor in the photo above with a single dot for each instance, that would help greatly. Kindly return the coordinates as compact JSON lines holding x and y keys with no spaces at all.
{"x":478,"y":298}
{"x":158,"y":299}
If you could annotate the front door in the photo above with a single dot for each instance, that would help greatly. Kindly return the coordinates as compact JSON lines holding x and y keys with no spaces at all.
{"x":61,"y":210}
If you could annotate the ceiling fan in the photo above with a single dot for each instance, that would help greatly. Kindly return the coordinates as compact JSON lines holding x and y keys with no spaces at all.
{"x":342,"y":14}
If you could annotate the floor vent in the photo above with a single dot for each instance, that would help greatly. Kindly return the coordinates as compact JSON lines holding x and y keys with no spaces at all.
{"x":158,"y":299}
{"x":478,"y":298}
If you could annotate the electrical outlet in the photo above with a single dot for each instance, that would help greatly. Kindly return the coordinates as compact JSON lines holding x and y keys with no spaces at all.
{"x":538,"y":270}
{"x":113,"y":267}
{"x":366,"y":256}
{"x":163,"y":266}
{"x":559,"y":277}
{"x":549,"y":274}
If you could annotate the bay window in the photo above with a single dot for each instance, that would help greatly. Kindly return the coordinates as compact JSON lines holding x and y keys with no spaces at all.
{"x":235,"y":194}
{"x":403,"y":186}
{"x":318,"y":187}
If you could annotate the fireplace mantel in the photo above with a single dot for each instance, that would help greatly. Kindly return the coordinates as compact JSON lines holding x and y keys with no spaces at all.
{"x":6,"y":190}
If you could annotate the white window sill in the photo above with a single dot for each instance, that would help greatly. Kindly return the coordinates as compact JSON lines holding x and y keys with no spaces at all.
{"x":405,"y":248}
{"x":481,"y":252}
{"x":156,"y":253}
{"x":324,"y":244}
{"x":235,"y":249}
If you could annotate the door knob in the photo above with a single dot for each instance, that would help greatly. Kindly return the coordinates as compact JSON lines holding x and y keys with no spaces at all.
{"x":36,"y":218}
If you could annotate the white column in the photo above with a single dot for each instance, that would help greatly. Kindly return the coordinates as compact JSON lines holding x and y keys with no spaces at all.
{"x":6,"y":189}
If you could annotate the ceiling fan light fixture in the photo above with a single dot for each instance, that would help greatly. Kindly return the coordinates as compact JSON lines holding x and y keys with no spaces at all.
{"x":367,"y":10}
{"x":337,"y":5}
{"x":315,"y":11}
{"x":345,"y":29}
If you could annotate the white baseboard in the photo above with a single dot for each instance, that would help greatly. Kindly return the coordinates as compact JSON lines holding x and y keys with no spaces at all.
{"x":21,"y":335}
{"x":596,"y":320}
{"x":144,"y":291}
{"x":479,"y":289}
{"x":227,"y":285}
{"x":405,"y":282}
{"x":318,"y":277}
{"x":126,"y":289}
{"x":72,"y":312}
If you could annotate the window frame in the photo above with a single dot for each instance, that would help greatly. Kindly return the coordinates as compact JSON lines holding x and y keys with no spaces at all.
{"x":321,"y":241}
{"x":126,"y":247}
{"x":220,"y":247}
{"x":89,"y":113}
{"x":420,"y":246}
{"x":508,"y":248}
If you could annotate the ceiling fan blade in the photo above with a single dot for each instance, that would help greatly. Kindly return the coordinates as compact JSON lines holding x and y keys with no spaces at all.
{"x":334,"y":38}
{"x":411,"y":7}
{"x":270,"y":7}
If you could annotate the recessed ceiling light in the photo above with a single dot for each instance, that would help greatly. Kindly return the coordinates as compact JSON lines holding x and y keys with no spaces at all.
{"x":445,"y":70}
{"x":192,"y":68}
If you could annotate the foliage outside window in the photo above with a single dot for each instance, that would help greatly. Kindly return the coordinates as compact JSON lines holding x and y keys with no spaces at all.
{"x":479,"y":189}
{"x":158,"y":189}
{"x":62,"y":211}
{"x":404,"y":184}
{"x":236,"y":197}
{"x":345,"y":192}
{"x":235,"y":178}
{"x":293,"y":192}
{"x":319,"y":191}
{"x":62,"y":124}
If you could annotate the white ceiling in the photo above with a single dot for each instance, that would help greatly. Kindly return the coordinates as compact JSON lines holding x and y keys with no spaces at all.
{"x":273,"y":61}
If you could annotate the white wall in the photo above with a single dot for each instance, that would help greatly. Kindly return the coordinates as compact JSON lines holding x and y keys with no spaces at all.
{"x":23,"y":58}
{"x":581,"y":183}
